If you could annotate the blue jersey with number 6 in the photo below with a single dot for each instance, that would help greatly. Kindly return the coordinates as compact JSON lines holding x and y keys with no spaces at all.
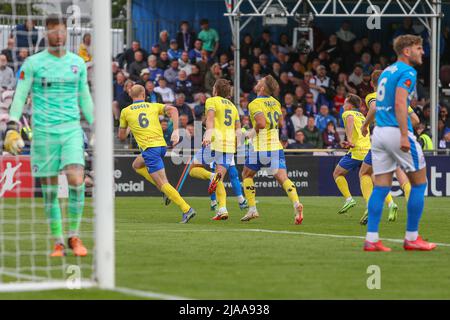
{"x":397,"y":75}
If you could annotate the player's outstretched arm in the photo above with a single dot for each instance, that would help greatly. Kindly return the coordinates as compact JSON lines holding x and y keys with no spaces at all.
{"x":401,"y":113}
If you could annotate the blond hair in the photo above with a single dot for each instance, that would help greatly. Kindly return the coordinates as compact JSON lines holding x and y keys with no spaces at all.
{"x":222,"y":88}
{"x":272,"y":86}
{"x":137,"y":91}
{"x":375,"y":76}
{"x":406,"y":41}
{"x":354,"y":100}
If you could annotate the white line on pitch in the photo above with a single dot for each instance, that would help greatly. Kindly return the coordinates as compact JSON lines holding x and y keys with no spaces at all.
{"x":326,"y":235}
{"x":148,"y":294}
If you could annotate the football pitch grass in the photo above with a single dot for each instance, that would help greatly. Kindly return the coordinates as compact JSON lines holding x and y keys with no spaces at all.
{"x":270,"y":257}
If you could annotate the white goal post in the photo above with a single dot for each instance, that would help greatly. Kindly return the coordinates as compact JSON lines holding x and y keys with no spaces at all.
{"x":26,"y":267}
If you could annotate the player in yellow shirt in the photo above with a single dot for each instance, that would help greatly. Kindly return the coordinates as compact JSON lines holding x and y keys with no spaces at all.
{"x":142,"y":119}
{"x":366,"y":168}
{"x":358,"y":146}
{"x":266,"y":149}
{"x":219,"y":143}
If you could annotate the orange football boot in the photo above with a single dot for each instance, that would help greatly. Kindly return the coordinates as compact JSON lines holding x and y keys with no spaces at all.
{"x":58,"y":250}
{"x":79,"y":250}
{"x":419,"y":244}
{"x":375,"y":246}
{"x":214,"y":182}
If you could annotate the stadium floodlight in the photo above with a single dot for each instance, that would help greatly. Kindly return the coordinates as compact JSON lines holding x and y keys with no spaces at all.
{"x":25,"y":240}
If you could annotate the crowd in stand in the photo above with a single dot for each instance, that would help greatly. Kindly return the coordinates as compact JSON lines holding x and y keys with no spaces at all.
{"x":181,"y":69}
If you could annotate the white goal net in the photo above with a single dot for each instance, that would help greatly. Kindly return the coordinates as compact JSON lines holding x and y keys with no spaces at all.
{"x":54,"y":233}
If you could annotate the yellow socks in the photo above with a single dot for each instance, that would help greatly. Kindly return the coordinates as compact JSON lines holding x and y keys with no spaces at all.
{"x":221,"y":195}
{"x":406,"y":187}
{"x":200,"y":173}
{"x":249,"y":191}
{"x":291,"y":191}
{"x":366,"y":186}
{"x":144,"y":172}
{"x":173,"y":195}
{"x":388,"y":199}
{"x":342,"y":185}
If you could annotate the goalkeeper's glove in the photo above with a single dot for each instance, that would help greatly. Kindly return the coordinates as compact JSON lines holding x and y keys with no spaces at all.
{"x":13,"y":140}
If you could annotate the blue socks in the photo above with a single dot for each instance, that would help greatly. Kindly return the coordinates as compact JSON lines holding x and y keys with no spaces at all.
{"x":376,"y":203}
{"x":235,"y":182}
{"x":415,"y":207}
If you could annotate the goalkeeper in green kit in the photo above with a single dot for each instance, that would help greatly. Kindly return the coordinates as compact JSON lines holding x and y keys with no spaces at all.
{"x":57,"y":80}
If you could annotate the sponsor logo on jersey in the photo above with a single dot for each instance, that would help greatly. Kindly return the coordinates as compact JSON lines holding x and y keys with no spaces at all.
{"x":74,"y":69}
{"x":408,"y":83}
{"x":22,"y":75}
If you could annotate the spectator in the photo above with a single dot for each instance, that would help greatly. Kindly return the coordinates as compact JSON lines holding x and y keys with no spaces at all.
{"x":224,"y":65}
{"x":332,"y":47}
{"x":183,"y":108}
{"x":357,"y":75}
{"x":9,"y":51}
{"x":118,"y":85}
{"x":265,"y":43}
{"x":7,"y":79}
{"x":264,"y":63}
{"x":443,"y":114}
{"x":184,"y":120}
{"x":364,"y":88}
{"x":209,"y":37}
{"x":155,"y":50}
{"x":285,"y":44}
{"x":154,"y":72}
{"x":307,"y":76}
{"x":21,"y":57}
{"x":171,"y":74}
{"x":183,"y":85}
{"x":163,"y":42}
{"x":330,"y":137}
{"x":339,"y":99}
{"x":424,"y":137}
{"x":425,"y":117}
{"x":376,"y":52}
{"x":324,"y":117}
{"x":290,"y":104}
{"x":195,"y":54}
{"x":185,"y":37}
{"x":345,"y":34}
{"x":26,"y":35}
{"x":284,"y":140}
{"x":152,"y":96}
{"x":319,"y":83}
{"x":123,"y":101}
{"x":276,"y":70}
{"x":165,"y":91}
{"x":163,"y":61}
{"x":366,"y":62}
{"x":205,"y":63}
{"x":286,"y":86}
{"x":300,"y":95}
{"x":214,"y":73}
{"x":174,"y":52}
{"x":84,"y":51}
{"x":298,"y":119}
{"x":343,"y":80}
{"x":301,"y":142}
{"x":312,"y":133}
{"x":167,"y":131}
{"x":128,"y":57}
{"x":137,"y":65}
{"x":184,"y":63}
{"x":199,"y":109}
{"x":143,"y":77}
{"x":247,"y":46}
{"x":310,"y":106}
{"x":353,"y":56}
{"x":197,"y":80}
{"x":335,"y":69}
{"x":285,"y":124}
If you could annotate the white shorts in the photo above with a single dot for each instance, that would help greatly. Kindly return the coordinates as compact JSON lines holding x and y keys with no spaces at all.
{"x":387,"y":155}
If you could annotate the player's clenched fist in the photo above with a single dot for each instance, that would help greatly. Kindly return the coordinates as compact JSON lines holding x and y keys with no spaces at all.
{"x":13,"y":141}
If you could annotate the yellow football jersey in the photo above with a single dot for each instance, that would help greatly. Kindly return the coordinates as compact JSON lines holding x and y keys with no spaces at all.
{"x":362,"y":144}
{"x":373,"y":97}
{"x":226,"y":115}
{"x":143,"y":120}
{"x":267,"y":139}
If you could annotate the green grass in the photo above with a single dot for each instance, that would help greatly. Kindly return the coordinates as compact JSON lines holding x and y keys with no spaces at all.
{"x":218,"y":260}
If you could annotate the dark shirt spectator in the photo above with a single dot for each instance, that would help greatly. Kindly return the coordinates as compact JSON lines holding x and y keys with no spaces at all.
{"x":128,"y":56}
{"x":9,"y":52}
{"x":185,"y":37}
{"x":167,"y":131}
{"x":310,"y":106}
{"x":163,"y":42}
{"x":286,"y":86}
{"x":197,"y":80}
{"x":118,"y":85}
{"x":124,"y":98}
{"x":183,"y":108}
{"x":330,"y":137}
{"x":312,"y":133}
{"x":265,"y":42}
{"x":26,"y":35}
{"x":285,"y":124}
{"x":301,"y":142}
{"x":152,"y":96}
{"x":183,"y":85}
{"x":247,"y":46}
{"x":199,"y":109}
{"x":137,"y":65}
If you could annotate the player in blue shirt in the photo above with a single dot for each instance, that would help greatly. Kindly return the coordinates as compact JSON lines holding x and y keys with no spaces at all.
{"x":394,"y":144}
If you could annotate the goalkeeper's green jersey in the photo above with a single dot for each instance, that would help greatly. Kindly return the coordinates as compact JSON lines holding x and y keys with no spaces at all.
{"x":59,"y":89}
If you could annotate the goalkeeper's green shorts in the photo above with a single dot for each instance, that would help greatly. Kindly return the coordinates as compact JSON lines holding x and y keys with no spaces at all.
{"x":51,"y":152}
